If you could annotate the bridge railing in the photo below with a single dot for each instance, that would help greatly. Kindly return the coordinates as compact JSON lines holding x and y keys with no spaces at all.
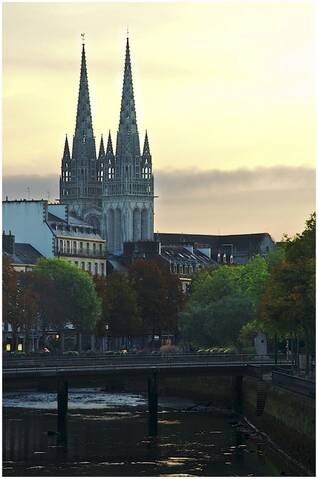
{"x":131,"y":358}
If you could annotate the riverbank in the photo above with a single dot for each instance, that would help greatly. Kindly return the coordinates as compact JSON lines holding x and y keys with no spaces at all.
{"x":288,"y":419}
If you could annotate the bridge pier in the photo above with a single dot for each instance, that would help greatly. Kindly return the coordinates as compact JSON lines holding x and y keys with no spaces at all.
{"x":153,"y":405}
{"x":237,"y":383}
{"x":62,"y":405}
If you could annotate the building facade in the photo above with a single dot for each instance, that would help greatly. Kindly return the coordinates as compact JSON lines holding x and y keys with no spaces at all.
{"x":113,"y":191}
{"x":53,"y":232}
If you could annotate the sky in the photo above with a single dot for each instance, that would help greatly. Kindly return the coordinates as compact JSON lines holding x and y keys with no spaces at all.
{"x":225,"y":90}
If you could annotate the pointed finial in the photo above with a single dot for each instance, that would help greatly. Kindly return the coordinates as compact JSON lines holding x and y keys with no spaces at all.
{"x":127,"y":32}
{"x":83,"y":38}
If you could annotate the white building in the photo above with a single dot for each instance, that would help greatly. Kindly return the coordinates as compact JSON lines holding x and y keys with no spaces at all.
{"x":54,"y":233}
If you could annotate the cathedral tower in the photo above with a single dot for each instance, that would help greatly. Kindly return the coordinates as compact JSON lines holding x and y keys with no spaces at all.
{"x":80,"y":181}
{"x":128,"y":191}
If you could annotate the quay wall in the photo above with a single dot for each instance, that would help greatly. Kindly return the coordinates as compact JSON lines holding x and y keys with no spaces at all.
{"x":288,"y":418}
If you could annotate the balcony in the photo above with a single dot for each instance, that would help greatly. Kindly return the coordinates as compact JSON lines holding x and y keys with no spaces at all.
{"x":81,"y":253}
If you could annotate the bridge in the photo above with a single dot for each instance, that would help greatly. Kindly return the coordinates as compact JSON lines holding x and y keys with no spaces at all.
{"x":64,"y":369}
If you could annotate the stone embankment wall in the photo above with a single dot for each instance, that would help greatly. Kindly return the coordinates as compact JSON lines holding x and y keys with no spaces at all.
{"x":288,"y":418}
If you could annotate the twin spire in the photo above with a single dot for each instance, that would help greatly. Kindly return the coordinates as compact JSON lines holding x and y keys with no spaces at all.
{"x":127,"y":136}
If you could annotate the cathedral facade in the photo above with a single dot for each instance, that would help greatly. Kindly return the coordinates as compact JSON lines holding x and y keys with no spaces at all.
{"x":113,"y":191}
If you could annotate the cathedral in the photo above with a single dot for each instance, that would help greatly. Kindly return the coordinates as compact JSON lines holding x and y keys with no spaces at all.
{"x":113,"y":191}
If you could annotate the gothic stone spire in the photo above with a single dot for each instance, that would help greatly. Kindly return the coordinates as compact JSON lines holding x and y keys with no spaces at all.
{"x":146,"y":150}
{"x":84,"y":141}
{"x":66,"y":154}
{"x":109,"y":148}
{"x":101,"y":154}
{"x":127,"y":138}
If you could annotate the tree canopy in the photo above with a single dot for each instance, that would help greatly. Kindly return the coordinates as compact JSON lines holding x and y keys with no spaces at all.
{"x":71,"y":296}
{"x":288,"y":304}
{"x":120,"y":313}
{"x":223,"y":300}
{"x":159,"y":296}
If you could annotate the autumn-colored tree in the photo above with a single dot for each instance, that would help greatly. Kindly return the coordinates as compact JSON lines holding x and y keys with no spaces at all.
{"x":20,"y":305}
{"x":9,"y":296}
{"x":120,"y":315}
{"x":159,"y":296}
{"x":28,"y":304}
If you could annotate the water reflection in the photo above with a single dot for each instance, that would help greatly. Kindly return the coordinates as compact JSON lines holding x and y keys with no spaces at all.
{"x":114,"y":442}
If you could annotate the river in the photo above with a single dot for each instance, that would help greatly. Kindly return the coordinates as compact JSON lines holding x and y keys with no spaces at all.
{"x":108,"y":437}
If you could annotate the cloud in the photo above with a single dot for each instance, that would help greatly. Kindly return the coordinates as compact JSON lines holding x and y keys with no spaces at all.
{"x":276,"y":200}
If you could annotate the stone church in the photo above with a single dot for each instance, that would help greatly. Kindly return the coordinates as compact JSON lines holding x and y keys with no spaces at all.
{"x":113,"y":191}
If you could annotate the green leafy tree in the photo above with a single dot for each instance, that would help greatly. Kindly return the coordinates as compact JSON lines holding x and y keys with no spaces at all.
{"x":223,"y":300}
{"x":288,"y":304}
{"x":74,"y":299}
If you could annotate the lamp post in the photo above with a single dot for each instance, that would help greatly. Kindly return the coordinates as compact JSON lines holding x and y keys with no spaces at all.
{"x":106,"y":335}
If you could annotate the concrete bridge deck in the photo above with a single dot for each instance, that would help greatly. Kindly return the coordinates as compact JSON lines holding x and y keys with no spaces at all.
{"x":226,"y":364}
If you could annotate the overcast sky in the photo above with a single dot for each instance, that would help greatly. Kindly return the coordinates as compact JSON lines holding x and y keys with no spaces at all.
{"x":225,"y":90}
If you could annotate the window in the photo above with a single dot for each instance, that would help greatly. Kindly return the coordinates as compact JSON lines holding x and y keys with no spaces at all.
{"x":94,"y":248}
{"x":87,"y":247}
{"x":101,"y":249}
{"x":174,"y":268}
{"x":96,"y":268}
{"x":74,"y":246}
{"x":82,"y":265}
{"x":89,"y":267}
{"x":68,"y":246}
{"x":102,"y":269}
{"x":81,"y":247}
{"x":61,"y":246}
{"x":180,"y":269}
{"x":76,"y":263}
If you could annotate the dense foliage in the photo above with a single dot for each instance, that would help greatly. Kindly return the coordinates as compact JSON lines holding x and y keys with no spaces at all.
{"x":223,"y":300}
{"x":288,"y":305}
{"x":159,"y":296}
{"x":72,"y":297}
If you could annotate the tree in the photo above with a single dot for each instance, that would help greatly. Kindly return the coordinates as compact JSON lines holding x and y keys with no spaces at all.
{"x":20,"y":305}
{"x":223,"y":300}
{"x":9,"y":294}
{"x":120,"y":314}
{"x":288,"y":305}
{"x":159,"y":296}
{"x":74,"y":299}
{"x":27,"y":301}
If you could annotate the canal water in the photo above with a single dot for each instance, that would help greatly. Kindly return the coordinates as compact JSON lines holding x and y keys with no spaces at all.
{"x":108,"y":437}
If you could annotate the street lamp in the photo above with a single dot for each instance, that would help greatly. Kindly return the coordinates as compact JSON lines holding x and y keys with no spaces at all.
{"x":106,"y":335}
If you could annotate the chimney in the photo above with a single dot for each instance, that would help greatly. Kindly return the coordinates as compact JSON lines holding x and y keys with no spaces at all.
{"x":8,"y":242}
